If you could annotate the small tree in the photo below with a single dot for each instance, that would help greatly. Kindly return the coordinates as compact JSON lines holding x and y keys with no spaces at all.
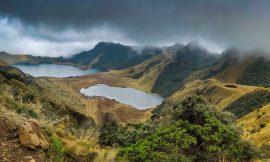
{"x":108,"y":130}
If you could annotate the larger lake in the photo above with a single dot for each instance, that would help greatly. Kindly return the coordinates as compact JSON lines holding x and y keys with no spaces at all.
{"x":54,"y":70}
{"x":130,"y":96}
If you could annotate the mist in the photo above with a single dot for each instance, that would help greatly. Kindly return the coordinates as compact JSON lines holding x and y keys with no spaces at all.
{"x":62,"y":28}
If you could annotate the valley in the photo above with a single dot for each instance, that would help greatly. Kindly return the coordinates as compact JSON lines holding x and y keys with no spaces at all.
{"x":134,"y":81}
{"x":82,"y":128}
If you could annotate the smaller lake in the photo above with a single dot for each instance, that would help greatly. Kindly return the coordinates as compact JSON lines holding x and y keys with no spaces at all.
{"x":129,"y":96}
{"x":54,"y":70}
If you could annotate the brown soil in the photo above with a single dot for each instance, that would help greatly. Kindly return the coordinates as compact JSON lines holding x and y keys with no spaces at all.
{"x":12,"y":151}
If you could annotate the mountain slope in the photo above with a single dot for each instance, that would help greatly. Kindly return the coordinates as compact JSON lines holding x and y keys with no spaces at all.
{"x":28,"y":59}
{"x":188,"y":59}
{"x":176,"y":72}
{"x":104,"y":55}
{"x":2,"y":63}
{"x":257,"y":73}
{"x":111,"y":56}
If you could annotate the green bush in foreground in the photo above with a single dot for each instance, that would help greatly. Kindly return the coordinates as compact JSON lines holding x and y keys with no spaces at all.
{"x":190,"y":131}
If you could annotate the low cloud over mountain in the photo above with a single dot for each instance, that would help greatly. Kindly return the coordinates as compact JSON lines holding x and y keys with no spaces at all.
{"x":64,"y":27}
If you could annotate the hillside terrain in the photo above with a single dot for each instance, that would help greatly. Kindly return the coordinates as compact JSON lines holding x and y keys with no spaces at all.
{"x":104,"y":55}
{"x":111,"y":56}
{"x":26,"y":59}
{"x":216,"y":107}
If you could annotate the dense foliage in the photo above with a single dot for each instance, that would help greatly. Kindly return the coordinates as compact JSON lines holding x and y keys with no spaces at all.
{"x":187,"y":60}
{"x":108,"y":130}
{"x":249,"y":103}
{"x":190,"y":130}
{"x":258,"y":74}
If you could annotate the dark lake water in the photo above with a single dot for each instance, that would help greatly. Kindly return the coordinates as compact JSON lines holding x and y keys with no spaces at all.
{"x":54,"y":70}
{"x":130,"y":96}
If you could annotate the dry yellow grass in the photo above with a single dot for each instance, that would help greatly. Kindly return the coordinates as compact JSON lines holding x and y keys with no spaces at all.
{"x":148,"y":79}
{"x":104,"y":154}
{"x":216,"y":92}
{"x":232,"y":74}
{"x":2,"y":63}
{"x":83,"y":142}
{"x":251,"y":126}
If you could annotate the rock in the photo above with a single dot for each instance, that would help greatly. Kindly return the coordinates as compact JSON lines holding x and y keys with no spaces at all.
{"x":28,"y":131}
{"x":31,"y":137}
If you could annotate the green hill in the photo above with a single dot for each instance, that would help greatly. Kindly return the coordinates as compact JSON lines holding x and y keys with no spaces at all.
{"x":196,"y":122}
{"x":258,"y":73}
{"x":111,"y":56}
{"x":27,"y":59}
{"x":186,"y":60}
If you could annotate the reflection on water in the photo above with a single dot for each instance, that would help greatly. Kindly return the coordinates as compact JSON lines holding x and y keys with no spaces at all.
{"x":130,"y":96}
{"x":54,"y":70}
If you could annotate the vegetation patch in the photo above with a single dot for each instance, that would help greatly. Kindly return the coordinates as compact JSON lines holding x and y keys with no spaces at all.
{"x":189,"y":131}
{"x":249,"y":102}
{"x":187,"y":60}
{"x":257,"y":74}
{"x":56,"y":150}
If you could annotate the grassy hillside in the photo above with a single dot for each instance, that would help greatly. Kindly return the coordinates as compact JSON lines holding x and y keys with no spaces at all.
{"x":58,"y":115}
{"x":146,"y":73}
{"x":220,"y":69}
{"x":2,"y":63}
{"x":187,"y":59}
{"x":249,"y":102}
{"x":28,"y":59}
{"x":257,"y":73}
{"x":86,"y":129}
{"x":215,"y":92}
{"x":256,"y":126}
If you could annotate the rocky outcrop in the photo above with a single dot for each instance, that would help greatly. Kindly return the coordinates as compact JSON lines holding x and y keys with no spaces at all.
{"x":31,"y":137}
{"x":28,"y":130}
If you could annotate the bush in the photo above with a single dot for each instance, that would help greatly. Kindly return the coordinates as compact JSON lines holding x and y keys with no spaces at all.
{"x":108,"y":130}
{"x":262,"y":125}
{"x":190,"y":131}
{"x":22,"y":109}
{"x":28,"y":98}
{"x":56,"y":150}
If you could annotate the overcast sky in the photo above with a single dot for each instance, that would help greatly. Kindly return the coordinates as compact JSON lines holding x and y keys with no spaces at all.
{"x":64,"y":27}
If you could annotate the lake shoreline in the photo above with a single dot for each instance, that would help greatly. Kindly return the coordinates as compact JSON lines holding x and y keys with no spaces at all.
{"x":130,"y":96}
{"x":55,"y":70}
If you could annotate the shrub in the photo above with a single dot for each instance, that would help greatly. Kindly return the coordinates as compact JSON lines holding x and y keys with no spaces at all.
{"x":28,"y":97}
{"x":192,"y":132}
{"x":56,"y":150}
{"x":108,"y":130}
{"x":262,"y":125}
{"x":22,"y":109}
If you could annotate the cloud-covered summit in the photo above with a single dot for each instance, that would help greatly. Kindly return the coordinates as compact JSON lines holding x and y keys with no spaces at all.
{"x":62,"y":27}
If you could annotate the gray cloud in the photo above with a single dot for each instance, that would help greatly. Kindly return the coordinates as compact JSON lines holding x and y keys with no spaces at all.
{"x":61,"y":27}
